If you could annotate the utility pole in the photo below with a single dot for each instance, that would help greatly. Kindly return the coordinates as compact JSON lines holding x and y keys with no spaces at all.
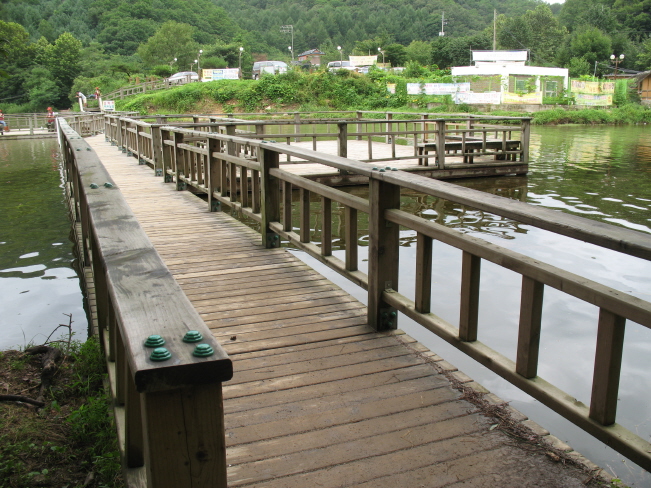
{"x":289,"y":29}
{"x":443,"y":24}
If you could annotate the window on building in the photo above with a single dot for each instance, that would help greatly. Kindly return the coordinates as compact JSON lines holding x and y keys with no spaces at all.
{"x":521,"y":86}
{"x":551,"y":88}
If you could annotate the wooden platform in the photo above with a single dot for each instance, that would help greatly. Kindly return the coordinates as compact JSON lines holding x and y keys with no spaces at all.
{"x":318,"y":399}
{"x":455,"y":167}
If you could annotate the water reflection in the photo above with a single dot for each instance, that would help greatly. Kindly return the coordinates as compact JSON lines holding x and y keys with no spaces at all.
{"x":38,"y":283}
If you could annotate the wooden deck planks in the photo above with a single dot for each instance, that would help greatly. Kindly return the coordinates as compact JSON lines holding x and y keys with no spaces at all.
{"x":318,"y":398}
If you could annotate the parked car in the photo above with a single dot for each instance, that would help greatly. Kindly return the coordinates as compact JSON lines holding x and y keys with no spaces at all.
{"x":337,"y":65}
{"x":183,"y":77}
{"x":271,"y":67}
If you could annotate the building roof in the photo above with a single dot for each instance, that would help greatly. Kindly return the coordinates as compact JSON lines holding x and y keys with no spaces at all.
{"x":312,"y":52}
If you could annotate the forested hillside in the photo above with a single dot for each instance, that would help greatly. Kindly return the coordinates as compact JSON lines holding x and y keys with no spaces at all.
{"x":54,"y":47}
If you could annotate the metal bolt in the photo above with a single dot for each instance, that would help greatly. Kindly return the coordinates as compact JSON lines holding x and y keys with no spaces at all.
{"x":394,"y":169}
{"x":375,"y":168}
{"x":192,"y":336}
{"x":160,"y":354}
{"x":203,"y":350}
{"x":108,"y":185}
{"x":382,"y":170}
{"x":154,"y":340}
{"x":388,"y":168}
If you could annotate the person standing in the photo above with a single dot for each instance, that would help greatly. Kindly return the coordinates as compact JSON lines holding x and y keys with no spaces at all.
{"x":98,"y":97}
{"x":50,"y":120}
{"x":3,"y":124}
{"x":82,"y":101}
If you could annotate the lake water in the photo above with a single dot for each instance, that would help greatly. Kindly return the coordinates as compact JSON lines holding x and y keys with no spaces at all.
{"x":38,"y":283}
{"x":602,"y":173}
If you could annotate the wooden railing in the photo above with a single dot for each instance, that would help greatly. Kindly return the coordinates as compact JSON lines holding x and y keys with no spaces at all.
{"x":436,"y":139}
{"x":137,"y":89}
{"x":169,"y":411}
{"x":245,"y":175}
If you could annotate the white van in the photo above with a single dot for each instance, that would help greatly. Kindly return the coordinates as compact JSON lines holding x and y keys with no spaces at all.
{"x":271,"y":67}
{"x":337,"y":65}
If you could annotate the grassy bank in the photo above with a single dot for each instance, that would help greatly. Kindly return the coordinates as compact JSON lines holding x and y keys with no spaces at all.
{"x":68,"y":442}
{"x":343,"y":90}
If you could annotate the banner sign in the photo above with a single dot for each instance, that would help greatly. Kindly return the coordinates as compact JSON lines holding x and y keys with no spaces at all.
{"x":592,"y":87}
{"x":593,"y":100}
{"x":500,"y":55}
{"x":362,"y":60}
{"x":470,"y":97}
{"x":534,"y":98}
{"x":437,"y":88}
{"x":108,"y":105}
{"x":220,"y":74}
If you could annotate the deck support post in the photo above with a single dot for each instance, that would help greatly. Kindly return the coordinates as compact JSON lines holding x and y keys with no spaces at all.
{"x":178,"y":159}
{"x":524,"y":142}
{"x":342,"y":142}
{"x":359,"y":125}
{"x":384,"y":240}
{"x":214,"y":174}
{"x":184,"y":429}
{"x":157,"y":147}
{"x":440,"y":144}
{"x":270,"y":205}
{"x":607,"y":367}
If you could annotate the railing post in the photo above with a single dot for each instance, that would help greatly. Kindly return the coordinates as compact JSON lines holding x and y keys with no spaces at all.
{"x":359,"y":124}
{"x":270,"y":205}
{"x":422,"y":299}
{"x":607,"y":367}
{"x":297,"y":126}
{"x":184,"y":432}
{"x":389,"y":128}
{"x":531,"y":304}
{"x":342,"y":142}
{"x":214,"y":175}
{"x":440,"y":144}
{"x":157,"y":148}
{"x":178,"y":158}
{"x":524,"y":141}
{"x":383,"y":253}
{"x":468,"y":318}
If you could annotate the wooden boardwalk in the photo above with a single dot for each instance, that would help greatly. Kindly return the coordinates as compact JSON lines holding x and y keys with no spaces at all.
{"x":318,"y":399}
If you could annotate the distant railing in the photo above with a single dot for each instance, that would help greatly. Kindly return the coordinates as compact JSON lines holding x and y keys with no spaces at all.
{"x":245,"y":175}
{"x":431,"y":139}
{"x":169,"y":409}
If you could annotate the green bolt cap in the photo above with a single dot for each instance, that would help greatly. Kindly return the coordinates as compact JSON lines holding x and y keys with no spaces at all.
{"x":94,"y":186}
{"x":192,"y":336}
{"x":382,"y":170}
{"x":203,"y":350}
{"x":393,"y":315}
{"x":275,"y":238}
{"x":375,"y":168}
{"x":388,"y":168}
{"x":154,"y":341}
{"x":394,"y":169}
{"x":108,"y":185}
{"x":160,"y":354}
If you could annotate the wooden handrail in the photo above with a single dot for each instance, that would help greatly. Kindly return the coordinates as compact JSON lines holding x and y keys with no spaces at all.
{"x":139,"y":302}
{"x":212,"y":162}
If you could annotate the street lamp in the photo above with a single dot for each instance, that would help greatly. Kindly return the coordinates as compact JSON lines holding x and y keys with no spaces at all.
{"x":199,"y":62}
{"x":172,"y":62}
{"x":381,"y":51}
{"x":617,"y":60}
{"x":341,"y":54}
{"x":192,"y":64}
{"x":239,"y":62}
{"x":292,"y":51}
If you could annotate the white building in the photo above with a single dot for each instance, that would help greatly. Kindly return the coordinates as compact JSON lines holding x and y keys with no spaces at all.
{"x":504,"y":77}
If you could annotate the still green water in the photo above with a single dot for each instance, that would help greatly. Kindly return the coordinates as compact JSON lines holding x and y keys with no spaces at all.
{"x":38,"y":283}
{"x":601,"y":173}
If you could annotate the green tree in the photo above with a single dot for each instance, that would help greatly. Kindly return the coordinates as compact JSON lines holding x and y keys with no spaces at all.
{"x":396,"y":54}
{"x":63,"y":61}
{"x":16,"y":63}
{"x":171,"y":40}
{"x":537,"y":31}
{"x":42,"y":89}
{"x":590,"y":44}
{"x":420,"y":52}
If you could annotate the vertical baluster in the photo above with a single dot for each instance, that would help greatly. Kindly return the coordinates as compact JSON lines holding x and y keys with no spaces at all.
{"x":350,"y":236}
{"x":531,"y":304}
{"x":178,"y":160}
{"x":470,"y":274}
{"x":244,"y":186}
{"x":607,"y":367}
{"x":270,"y":211}
{"x":384,"y":240}
{"x":305,"y":215}
{"x":213,"y":174}
{"x":255,"y":192}
{"x":134,"y":444}
{"x":287,"y":206}
{"x":326,"y":226}
{"x":423,"y":273}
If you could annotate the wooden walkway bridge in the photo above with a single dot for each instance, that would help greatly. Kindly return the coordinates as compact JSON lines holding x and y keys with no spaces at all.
{"x":318,"y":398}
